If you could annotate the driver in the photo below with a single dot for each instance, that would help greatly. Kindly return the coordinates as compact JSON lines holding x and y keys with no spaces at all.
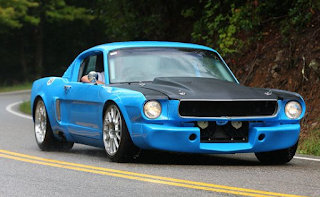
{"x":100,"y":78}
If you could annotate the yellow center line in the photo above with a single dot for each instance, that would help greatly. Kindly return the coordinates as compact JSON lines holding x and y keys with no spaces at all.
{"x":139,"y":176}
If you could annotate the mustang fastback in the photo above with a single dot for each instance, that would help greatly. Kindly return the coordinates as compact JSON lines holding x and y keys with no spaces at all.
{"x":167,"y":96}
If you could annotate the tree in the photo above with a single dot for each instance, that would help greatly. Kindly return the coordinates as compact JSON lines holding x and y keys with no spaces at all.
{"x":145,"y":19}
{"x":13,"y":13}
{"x":29,"y":17}
{"x":53,"y":11}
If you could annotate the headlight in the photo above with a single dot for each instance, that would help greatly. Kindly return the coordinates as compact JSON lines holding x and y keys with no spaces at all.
{"x":293,"y":109}
{"x":152,"y":109}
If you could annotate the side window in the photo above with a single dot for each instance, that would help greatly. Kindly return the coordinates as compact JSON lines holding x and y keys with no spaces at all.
{"x":91,"y":63}
{"x":82,"y":68}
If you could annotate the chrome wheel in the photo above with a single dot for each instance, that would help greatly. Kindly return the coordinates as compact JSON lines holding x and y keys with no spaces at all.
{"x":45,"y":139}
{"x":112,"y":130}
{"x":40,"y":124}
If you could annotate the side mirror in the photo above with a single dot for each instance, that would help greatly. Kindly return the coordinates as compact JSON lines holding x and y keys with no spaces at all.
{"x":93,"y":77}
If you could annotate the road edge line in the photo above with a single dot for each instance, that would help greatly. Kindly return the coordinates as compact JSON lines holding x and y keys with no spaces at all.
{"x":10,"y":110}
{"x":306,"y":158}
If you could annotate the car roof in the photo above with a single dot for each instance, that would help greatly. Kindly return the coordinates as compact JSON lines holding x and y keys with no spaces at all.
{"x":137,"y":44}
{"x":133,"y":44}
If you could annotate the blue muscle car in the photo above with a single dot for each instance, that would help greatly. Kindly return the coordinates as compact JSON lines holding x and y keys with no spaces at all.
{"x":167,"y":96}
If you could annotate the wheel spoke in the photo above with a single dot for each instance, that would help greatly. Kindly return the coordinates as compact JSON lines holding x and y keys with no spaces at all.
{"x":107,"y":144}
{"x":116,"y":127}
{"x":111,"y":146}
{"x":40,"y":126}
{"x":112,"y":128}
{"x":114,"y":147}
{"x":106,"y":120}
{"x":118,"y":135}
{"x":112,"y":114}
{"x":109,"y":117}
{"x":106,"y":137}
{"x":116,"y":143}
{"x":117,"y":118}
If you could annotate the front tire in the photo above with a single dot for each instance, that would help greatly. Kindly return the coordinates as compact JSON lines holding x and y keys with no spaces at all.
{"x":277,"y":157}
{"x":116,"y":138}
{"x":43,"y":132}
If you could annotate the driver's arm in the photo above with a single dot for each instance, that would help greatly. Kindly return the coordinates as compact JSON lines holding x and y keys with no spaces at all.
{"x":85,"y":79}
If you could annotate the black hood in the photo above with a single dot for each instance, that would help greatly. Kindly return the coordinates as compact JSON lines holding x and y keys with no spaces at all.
{"x":202,"y":88}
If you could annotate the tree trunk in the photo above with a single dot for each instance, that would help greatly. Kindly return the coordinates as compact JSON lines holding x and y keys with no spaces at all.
{"x":39,"y":50}
{"x":22,"y":58}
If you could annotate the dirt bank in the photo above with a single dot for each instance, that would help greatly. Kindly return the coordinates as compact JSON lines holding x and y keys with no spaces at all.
{"x":289,"y":63}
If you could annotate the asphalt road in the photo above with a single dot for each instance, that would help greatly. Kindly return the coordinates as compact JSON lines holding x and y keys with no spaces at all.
{"x":25,"y":170}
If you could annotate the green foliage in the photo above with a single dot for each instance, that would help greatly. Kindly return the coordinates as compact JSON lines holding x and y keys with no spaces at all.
{"x":60,"y":29}
{"x":9,"y":88}
{"x":138,"y":20}
{"x":32,"y":18}
{"x":221,"y":22}
{"x":290,"y":15}
{"x":310,"y":145}
{"x":301,"y":12}
{"x":17,"y":13}
{"x":25,"y":107}
{"x":13,"y":13}
{"x":58,"y":10}
{"x":274,"y":8}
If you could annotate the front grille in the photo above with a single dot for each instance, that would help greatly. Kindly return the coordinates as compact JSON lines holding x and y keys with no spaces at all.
{"x":227,"y":108}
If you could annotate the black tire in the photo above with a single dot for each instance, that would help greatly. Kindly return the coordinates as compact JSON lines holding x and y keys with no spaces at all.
{"x":116,"y":138}
{"x":43,"y":131}
{"x":277,"y":157}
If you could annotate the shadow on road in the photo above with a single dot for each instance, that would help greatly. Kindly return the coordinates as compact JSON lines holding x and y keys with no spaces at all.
{"x":158,"y":157}
{"x":172,"y":158}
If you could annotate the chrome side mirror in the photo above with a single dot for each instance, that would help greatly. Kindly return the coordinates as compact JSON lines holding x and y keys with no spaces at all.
{"x":93,"y":77}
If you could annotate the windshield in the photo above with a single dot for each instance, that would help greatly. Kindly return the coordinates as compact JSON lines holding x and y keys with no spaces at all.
{"x":145,"y":64}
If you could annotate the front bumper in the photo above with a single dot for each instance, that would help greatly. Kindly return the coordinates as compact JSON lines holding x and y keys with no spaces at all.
{"x":172,"y":138}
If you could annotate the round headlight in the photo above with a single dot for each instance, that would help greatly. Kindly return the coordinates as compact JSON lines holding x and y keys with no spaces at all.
{"x":152,"y":109}
{"x":293,"y":109}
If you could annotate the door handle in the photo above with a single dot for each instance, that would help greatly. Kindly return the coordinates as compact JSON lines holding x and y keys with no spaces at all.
{"x":66,"y":88}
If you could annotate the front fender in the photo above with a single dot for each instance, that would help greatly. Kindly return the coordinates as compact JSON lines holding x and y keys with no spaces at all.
{"x":130,"y":103}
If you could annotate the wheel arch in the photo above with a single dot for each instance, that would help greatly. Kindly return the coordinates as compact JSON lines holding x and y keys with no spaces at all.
{"x":123,"y":112}
{"x":36,"y":99}
{"x":46,"y":104}
{"x":130,"y":104}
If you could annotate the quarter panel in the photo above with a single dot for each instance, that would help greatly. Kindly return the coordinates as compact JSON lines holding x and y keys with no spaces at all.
{"x":49,"y":89}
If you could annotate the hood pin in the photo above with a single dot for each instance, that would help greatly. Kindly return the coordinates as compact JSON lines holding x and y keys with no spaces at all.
{"x":268,"y":93}
{"x":182,"y":93}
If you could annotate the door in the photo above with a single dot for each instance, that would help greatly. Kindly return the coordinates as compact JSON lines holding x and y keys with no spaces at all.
{"x":84,"y":107}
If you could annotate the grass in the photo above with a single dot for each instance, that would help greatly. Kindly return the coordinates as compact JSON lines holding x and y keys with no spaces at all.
{"x":23,"y":86}
{"x":25,"y":107}
{"x":310,"y":144}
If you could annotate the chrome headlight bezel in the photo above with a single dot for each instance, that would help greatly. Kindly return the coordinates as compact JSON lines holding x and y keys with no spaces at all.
{"x":293,"y":109}
{"x":152,"y":109}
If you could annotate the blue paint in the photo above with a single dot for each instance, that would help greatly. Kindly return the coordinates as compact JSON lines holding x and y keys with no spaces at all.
{"x":221,"y":122}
